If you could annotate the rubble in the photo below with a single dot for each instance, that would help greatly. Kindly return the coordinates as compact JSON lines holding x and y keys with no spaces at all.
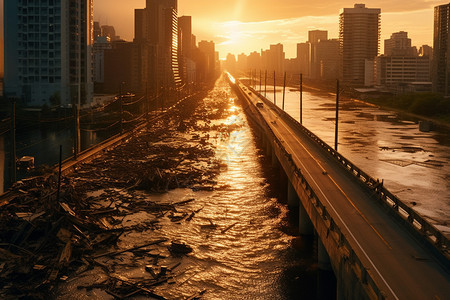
{"x":45,"y":240}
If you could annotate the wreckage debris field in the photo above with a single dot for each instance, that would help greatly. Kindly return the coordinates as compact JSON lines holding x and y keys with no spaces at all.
{"x":180,"y":210}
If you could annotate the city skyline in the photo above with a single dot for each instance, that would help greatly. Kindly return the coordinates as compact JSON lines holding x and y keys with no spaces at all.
{"x":232,"y":29}
{"x":235,"y":31}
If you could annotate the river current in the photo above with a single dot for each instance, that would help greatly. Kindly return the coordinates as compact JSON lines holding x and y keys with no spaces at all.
{"x":244,"y":246}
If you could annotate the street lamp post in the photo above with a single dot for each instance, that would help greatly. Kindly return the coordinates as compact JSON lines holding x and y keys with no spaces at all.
{"x":284,"y":88}
{"x":337,"y":118}
{"x":121,"y":106}
{"x":301,"y":98}
{"x":274,"y":89}
{"x":265,"y":84}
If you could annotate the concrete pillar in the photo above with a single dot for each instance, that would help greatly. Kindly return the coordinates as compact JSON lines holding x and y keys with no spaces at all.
{"x":267,"y":146}
{"x":292,"y":196}
{"x":323,"y":257}
{"x":275,"y":162}
{"x":305,"y":225}
{"x":340,"y":295}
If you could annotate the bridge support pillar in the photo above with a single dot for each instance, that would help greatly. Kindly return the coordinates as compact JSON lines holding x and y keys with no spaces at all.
{"x":267,"y":146}
{"x":293,"y":200}
{"x":323,"y":257}
{"x":275,"y":163}
{"x":305,"y":225}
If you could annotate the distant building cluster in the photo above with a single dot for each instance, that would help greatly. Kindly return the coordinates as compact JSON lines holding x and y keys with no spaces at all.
{"x":56,"y":54}
{"x":354,"y":57}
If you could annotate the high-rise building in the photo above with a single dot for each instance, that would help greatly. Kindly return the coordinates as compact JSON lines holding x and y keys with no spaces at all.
{"x":156,"y":27}
{"x":326,"y":53}
{"x":254,"y":61}
{"x":359,"y":36}
{"x":441,"y":61}
{"x":110,"y":32}
{"x":185,"y":27}
{"x":395,"y":72}
{"x":401,"y":66}
{"x":314,"y":37}
{"x":242,"y":63}
{"x":303,"y":55}
{"x":97,"y":30}
{"x":185,"y":48}
{"x":48,"y":51}
{"x":274,"y":59}
{"x":208,"y":49}
{"x":399,"y":45}
{"x":426,"y":50}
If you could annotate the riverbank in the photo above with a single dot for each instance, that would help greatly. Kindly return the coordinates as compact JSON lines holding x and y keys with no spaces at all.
{"x":180,"y":210}
{"x":420,"y":106}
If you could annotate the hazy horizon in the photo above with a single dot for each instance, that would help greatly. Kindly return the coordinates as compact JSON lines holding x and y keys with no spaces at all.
{"x":236,"y":31}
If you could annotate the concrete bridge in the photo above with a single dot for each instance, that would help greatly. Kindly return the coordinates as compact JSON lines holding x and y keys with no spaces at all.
{"x":377,"y":246}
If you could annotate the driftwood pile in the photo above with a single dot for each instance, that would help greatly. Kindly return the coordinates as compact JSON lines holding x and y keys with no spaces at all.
{"x":46,"y":238}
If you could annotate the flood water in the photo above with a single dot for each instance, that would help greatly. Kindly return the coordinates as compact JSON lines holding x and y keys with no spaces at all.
{"x":414,"y":165}
{"x":240,"y":246}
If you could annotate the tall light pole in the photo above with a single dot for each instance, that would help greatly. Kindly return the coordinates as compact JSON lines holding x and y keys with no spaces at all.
{"x":337,"y":118}
{"x":284,"y":88}
{"x":274,"y":89}
{"x":301,"y":98}
{"x":121,"y":106}
{"x":260,"y":79}
{"x":265,"y":84}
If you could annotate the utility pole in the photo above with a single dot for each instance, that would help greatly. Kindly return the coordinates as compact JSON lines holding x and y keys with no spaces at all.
{"x":284,"y":89}
{"x":337,"y":118}
{"x":13,"y":142}
{"x":265,"y":84}
{"x":121,"y":107}
{"x":148,"y":103}
{"x":260,"y":79}
{"x":274,"y":90}
{"x":76,"y":131}
{"x":301,"y":98}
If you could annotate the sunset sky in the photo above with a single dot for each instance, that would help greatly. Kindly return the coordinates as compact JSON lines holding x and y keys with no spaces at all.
{"x":247,"y":25}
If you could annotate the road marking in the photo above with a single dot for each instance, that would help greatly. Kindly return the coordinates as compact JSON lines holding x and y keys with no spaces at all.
{"x":342,"y":221}
{"x":337,"y":185}
{"x":334,"y":182}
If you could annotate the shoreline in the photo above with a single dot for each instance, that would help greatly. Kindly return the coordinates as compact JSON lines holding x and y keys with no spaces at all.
{"x":437,"y":123}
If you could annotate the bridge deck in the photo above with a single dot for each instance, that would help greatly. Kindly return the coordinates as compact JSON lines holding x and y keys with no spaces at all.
{"x":402,"y":265}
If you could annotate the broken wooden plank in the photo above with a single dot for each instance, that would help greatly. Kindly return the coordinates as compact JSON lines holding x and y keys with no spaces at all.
{"x":114,"y":253}
{"x":228,"y":228}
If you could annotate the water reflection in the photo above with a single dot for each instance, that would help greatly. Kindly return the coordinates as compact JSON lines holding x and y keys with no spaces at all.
{"x":239,"y":248}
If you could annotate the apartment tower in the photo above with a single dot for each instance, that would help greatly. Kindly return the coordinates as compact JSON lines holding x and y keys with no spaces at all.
{"x":48,"y":51}
{"x":441,"y":61}
{"x":359,"y":36}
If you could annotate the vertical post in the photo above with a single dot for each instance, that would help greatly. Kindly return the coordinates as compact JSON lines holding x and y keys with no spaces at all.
{"x":337,"y":118}
{"x":301,"y":98}
{"x":121,"y":109}
{"x":265,"y":84}
{"x":148,"y":103}
{"x":274,"y":89}
{"x":260,"y":78}
{"x":59,"y":173}
{"x":284,"y":89}
{"x":76,"y":131}
{"x":13,"y":143}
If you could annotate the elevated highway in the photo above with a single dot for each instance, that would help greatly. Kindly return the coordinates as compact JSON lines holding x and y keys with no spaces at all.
{"x":378,"y":247}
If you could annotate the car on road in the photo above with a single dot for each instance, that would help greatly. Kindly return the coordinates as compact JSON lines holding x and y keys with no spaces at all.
{"x":260,"y":105}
